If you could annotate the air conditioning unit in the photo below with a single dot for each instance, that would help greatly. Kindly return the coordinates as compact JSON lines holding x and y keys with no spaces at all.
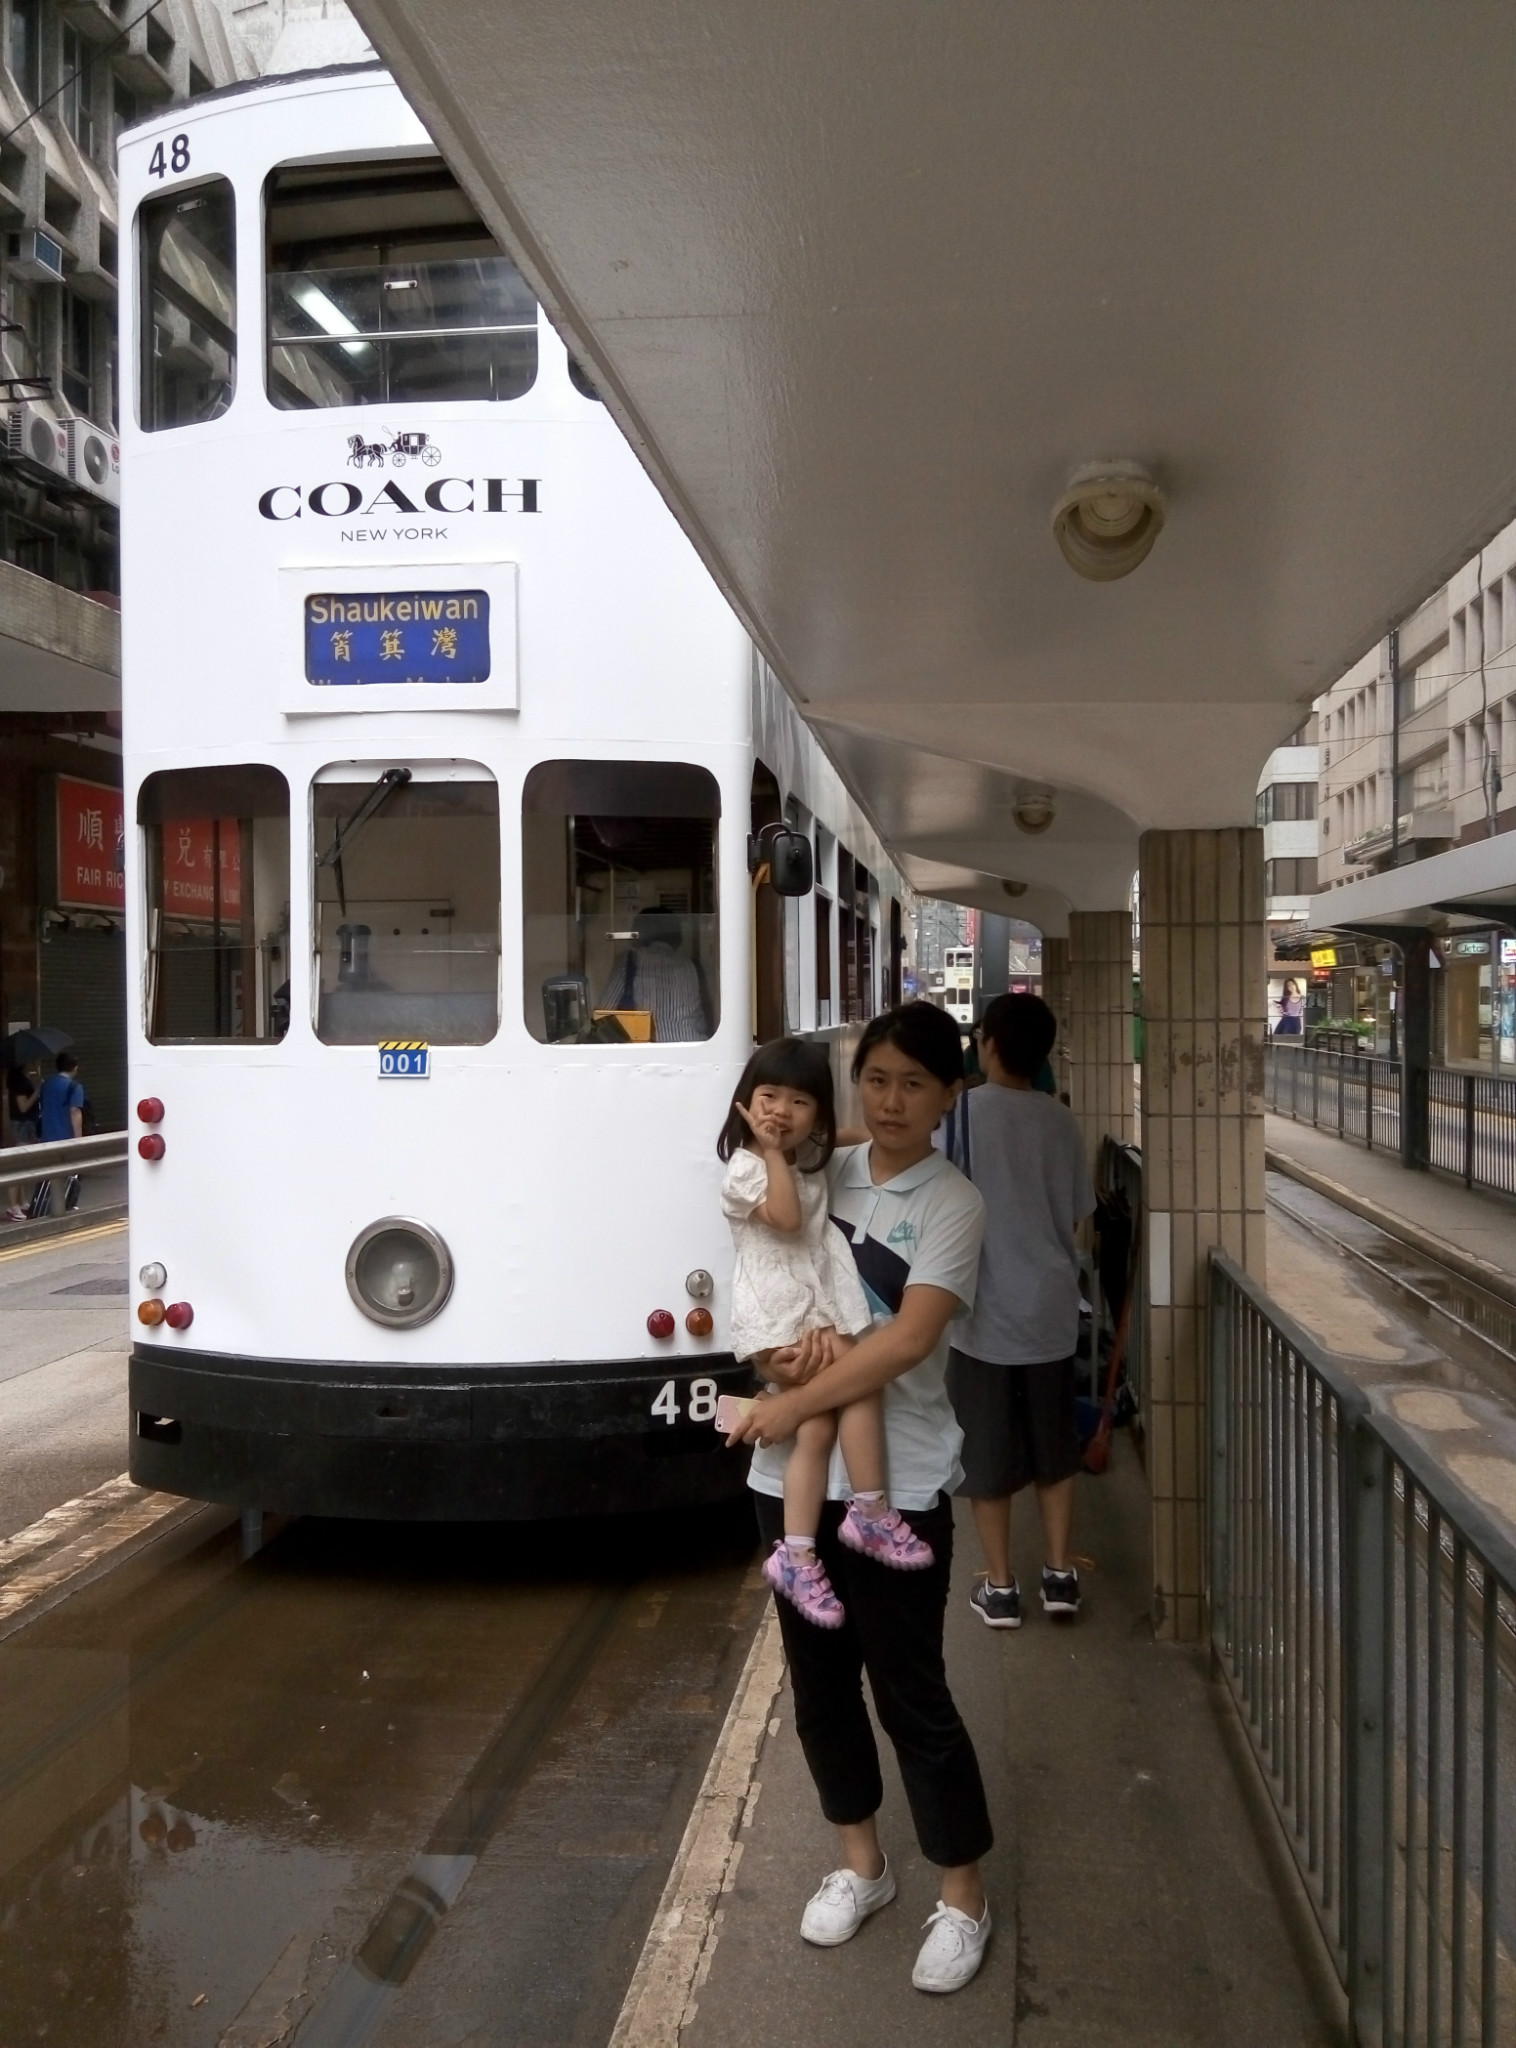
{"x":34,"y":437}
{"x":36,"y":256}
{"x":94,"y":460}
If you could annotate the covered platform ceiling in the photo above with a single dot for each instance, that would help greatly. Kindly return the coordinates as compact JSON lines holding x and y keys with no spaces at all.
{"x":865,"y":283}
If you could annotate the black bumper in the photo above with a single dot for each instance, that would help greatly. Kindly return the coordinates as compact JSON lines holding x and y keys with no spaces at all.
{"x":443,"y":1443}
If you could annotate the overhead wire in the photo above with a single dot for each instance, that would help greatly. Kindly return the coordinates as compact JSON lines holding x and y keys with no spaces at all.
{"x":90,"y":61}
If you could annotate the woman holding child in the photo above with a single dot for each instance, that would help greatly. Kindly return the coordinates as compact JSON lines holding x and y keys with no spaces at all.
{"x":861,"y":1578}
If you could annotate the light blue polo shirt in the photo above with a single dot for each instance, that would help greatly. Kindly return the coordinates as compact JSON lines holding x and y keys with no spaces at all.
{"x":921,"y":1229}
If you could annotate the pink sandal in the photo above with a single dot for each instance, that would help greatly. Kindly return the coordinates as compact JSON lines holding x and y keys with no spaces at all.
{"x":805,"y":1586}
{"x":887,"y":1538}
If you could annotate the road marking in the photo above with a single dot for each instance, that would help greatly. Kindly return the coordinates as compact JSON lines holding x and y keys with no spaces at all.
{"x":62,"y":1239}
{"x":82,"y":1539}
{"x":676,"y":1957}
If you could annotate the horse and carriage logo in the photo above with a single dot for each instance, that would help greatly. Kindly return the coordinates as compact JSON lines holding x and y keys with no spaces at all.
{"x":400,"y":449}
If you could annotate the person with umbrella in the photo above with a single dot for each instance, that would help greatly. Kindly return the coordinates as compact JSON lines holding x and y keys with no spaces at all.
{"x":25,"y":1090}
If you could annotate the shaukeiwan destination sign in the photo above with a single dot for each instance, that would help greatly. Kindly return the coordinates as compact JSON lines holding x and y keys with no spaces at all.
{"x":397,"y":636}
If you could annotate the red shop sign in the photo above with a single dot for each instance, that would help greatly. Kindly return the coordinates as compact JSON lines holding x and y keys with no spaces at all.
{"x":91,"y":845}
{"x":190,"y":861}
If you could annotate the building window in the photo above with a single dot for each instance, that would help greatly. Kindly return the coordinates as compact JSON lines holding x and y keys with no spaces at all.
{"x":77,"y":97}
{"x":1286,"y":801}
{"x":26,"y":48}
{"x":1424,"y":785}
{"x":385,"y":288}
{"x":407,"y":888}
{"x":217,"y":864}
{"x":123,"y":109}
{"x":79,"y":354}
{"x":618,"y":869}
{"x":1290,"y":878}
{"x":187,"y":257}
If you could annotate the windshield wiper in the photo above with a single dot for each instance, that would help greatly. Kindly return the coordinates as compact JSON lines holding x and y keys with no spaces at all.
{"x":344,"y":830}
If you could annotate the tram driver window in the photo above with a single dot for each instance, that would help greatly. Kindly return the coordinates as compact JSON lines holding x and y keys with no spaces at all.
{"x":407,"y":904}
{"x":385,"y":287}
{"x":217,"y":843}
{"x":619,"y":910}
{"x":187,"y":261}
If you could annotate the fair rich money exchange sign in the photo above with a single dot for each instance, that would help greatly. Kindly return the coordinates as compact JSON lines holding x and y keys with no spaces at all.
{"x":397,"y":636}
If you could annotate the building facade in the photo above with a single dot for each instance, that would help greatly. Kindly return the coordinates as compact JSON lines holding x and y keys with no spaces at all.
{"x":1417,"y":809}
{"x":73,"y":74}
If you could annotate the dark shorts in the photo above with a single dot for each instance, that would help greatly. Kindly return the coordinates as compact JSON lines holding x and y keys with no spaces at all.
{"x":1017,"y":1422}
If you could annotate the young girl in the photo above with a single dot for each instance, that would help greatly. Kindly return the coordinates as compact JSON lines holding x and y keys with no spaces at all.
{"x":793,"y":1274}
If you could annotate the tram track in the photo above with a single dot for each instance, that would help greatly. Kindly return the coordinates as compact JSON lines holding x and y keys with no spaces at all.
{"x":613,"y":1682}
{"x":1435,"y":1292}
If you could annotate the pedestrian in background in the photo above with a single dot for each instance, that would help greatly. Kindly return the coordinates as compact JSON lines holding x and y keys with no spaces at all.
{"x":1011,"y":1370}
{"x":60,"y":1114}
{"x":23,"y":1087}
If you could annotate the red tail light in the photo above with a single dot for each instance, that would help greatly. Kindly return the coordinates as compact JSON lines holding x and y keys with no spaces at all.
{"x":660,"y":1323}
{"x":150,"y":1110}
{"x":178,"y":1315}
{"x":152,"y":1146}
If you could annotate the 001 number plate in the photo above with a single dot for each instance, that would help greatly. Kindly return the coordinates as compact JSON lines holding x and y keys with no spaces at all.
{"x":405,"y":1059}
{"x":700,"y":1407}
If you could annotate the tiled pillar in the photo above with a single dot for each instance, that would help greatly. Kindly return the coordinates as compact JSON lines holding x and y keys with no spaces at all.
{"x":1204,"y":962}
{"x":1055,"y":993}
{"x":1100,"y":1024}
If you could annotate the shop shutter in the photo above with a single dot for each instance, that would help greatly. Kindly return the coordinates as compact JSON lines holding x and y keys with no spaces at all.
{"x":84,"y":993}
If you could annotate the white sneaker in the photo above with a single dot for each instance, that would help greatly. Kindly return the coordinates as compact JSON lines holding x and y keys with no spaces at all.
{"x":844,"y":1901}
{"x":953,"y":1949}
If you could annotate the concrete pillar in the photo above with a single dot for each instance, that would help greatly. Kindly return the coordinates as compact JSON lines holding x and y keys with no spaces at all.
{"x":1055,"y":993}
{"x":1415,"y":1046}
{"x":1204,"y":994}
{"x":1100,"y":1025}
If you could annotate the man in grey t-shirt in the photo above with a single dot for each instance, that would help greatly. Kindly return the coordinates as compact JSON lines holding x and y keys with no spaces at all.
{"x":1011,"y":1373}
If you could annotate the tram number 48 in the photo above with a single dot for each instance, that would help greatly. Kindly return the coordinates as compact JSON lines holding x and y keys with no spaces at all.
{"x":702,"y":1405}
{"x":177,"y":159}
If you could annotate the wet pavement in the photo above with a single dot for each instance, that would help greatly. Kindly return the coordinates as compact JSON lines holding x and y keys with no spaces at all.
{"x":63,"y":1352}
{"x":377,"y":1784}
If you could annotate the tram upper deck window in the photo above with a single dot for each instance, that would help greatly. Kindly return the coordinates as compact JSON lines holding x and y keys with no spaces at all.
{"x":619,"y":882}
{"x":187,"y":258}
{"x":407,"y":888}
{"x":385,"y":287}
{"x":218,"y":904}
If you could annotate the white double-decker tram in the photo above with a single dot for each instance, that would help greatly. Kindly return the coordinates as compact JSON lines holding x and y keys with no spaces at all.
{"x":460,"y":800}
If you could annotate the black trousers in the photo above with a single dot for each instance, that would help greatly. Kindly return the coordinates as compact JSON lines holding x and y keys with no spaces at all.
{"x":894,"y":1632}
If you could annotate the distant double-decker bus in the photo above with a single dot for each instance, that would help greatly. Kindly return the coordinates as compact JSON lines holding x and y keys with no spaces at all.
{"x":473,"y":846}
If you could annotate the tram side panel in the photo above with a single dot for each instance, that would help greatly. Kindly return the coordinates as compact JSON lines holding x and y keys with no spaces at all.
{"x":574,"y":1187}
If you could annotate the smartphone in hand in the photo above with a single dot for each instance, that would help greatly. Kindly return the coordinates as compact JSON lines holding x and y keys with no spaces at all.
{"x":731,"y":1410}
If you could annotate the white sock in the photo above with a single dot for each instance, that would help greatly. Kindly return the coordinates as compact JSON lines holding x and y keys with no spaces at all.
{"x":871,"y":1505}
{"x":795,"y":1544}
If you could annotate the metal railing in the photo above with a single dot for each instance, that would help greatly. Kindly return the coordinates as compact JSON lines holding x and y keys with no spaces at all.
{"x":26,"y":1166}
{"x":1363,"y":1611}
{"x":1470,"y":1120}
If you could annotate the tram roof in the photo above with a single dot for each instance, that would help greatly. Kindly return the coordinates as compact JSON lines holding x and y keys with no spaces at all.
{"x":244,"y":88}
{"x":864,"y":283}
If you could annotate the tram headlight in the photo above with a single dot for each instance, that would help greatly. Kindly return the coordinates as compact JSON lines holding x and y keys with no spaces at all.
{"x":399,"y":1272}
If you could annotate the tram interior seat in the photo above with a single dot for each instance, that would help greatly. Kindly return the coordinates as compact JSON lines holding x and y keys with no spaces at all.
{"x":365,"y":1016}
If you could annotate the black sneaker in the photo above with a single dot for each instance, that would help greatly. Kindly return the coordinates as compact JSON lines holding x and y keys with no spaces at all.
{"x":1060,"y":1592}
{"x":997,"y":1606}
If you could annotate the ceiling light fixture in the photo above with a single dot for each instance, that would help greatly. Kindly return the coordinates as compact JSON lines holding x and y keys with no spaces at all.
{"x":1014,"y":888}
{"x":1034,"y":811}
{"x":1108,"y":519}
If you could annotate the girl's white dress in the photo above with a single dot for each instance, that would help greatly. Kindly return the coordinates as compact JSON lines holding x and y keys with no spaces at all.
{"x":784,"y":1283}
